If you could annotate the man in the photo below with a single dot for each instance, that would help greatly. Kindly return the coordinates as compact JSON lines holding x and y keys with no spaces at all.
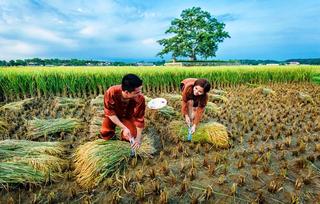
{"x":124,"y":106}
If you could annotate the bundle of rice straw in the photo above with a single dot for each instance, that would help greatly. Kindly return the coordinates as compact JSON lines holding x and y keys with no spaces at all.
{"x":211,"y":132}
{"x":16,"y":106}
{"x":40,"y":127}
{"x":97,"y":101}
{"x":264,"y":91}
{"x":219,"y":92}
{"x":212,"y":109}
{"x":19,"y":173}
{"x":96,"y":160}
{"x":31,"y":161}
{"x":66,"y":102}
{"x":217,"y":97}
{"x":305,"y":98}
{"x":165,"y":113}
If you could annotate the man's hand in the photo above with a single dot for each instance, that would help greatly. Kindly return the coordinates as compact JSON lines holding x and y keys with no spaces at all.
{"x":126,"y":133}
{"x":188,"y":121}
{"x":137,"y":143}
{"x":193,"y":129}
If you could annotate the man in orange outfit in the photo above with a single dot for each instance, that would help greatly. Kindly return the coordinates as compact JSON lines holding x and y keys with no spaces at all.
{"x":124,"y":106}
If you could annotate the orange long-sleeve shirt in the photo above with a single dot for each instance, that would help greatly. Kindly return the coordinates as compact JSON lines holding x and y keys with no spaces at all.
{"x":114,"y":104}
{"x":199,"y":101}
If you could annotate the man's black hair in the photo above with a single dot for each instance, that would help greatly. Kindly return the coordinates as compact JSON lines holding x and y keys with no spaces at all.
{"x":130,"y":82}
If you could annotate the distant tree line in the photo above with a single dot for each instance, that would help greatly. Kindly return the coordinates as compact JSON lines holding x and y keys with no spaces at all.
{"x":72,"y":62}
{"x":311,"y":61}
{"x":77,"y":62}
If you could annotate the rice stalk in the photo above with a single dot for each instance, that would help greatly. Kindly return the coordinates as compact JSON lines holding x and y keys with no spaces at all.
{"x":19,"y":173}
{"x":40,"y":127}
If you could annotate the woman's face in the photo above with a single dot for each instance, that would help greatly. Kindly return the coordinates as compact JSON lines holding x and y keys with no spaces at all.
{"x":198,"y":90}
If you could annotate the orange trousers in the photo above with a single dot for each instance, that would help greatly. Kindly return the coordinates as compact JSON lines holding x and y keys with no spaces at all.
{"x":108,"y":128}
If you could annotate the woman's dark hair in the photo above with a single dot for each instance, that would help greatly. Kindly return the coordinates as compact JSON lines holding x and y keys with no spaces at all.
{"x":130,"y":82}
{"x":204,"y":84}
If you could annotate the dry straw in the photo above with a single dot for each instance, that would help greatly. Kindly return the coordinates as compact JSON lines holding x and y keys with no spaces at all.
{"x":16,"y":106}
{"x":211,"y":132}
{"x":41,"y":127}
{"x":31,"y":162}
{"x":65,"y":102}
{"x":99,"y":159}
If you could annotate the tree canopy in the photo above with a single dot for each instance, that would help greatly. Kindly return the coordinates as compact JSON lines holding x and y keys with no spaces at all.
{"x":196,"y":33}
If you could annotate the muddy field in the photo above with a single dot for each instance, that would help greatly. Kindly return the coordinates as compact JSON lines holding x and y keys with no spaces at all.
{"x":274,"y":156}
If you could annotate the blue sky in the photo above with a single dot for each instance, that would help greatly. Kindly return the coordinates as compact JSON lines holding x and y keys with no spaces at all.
{"x":129,"y":29}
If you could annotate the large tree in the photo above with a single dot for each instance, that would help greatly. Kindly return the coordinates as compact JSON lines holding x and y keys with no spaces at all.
{"x":196,"y":33}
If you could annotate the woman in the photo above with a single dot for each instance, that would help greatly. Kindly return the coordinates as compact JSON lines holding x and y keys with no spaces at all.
{"x":194,"y":100}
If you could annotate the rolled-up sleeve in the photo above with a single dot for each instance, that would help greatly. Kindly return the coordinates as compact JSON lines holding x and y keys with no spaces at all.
{"x":139,"y":111}
{"x":184,"y":105}
{"x":109,"y":104}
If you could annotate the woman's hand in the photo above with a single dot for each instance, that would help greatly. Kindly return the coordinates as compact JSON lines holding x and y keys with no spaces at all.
{"x":193,"y":129}
{"x":188,"y":120}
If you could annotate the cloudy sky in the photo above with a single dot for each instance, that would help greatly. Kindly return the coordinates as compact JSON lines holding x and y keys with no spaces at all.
{"x":129,"y":29}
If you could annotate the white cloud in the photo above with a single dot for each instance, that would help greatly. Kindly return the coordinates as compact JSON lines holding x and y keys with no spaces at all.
{"x":149,"y":42}
{"x":48,"y":36}
{"x":15,"y":49}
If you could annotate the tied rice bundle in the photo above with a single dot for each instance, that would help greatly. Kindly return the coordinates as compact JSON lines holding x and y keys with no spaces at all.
{"x":68,"y":102}
{"x":31,"y":162}
{"x":96,"y":160}
{"x":212,"y":109}
{"x":219,"y":92}
{"x":166,"y":113}
{"x":19,"y":173}
{"x":217,"y":97}
{"x":39,"y":127}
{"x":211,"y":132}
{"x":305,"y":98}
{"x":264,"y":91}
{"x":97,"y":101}
{"x":16,"y":106}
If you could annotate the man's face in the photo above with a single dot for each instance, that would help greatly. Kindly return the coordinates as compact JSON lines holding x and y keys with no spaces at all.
{"x":134,"y":93}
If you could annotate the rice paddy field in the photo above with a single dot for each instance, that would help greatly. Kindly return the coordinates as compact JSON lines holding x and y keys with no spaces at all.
{"x":258,"y":142}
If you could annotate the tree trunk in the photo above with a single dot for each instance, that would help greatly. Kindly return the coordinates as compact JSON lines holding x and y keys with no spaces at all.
{"x":193,"y":58}
{"x":174,"y":60}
